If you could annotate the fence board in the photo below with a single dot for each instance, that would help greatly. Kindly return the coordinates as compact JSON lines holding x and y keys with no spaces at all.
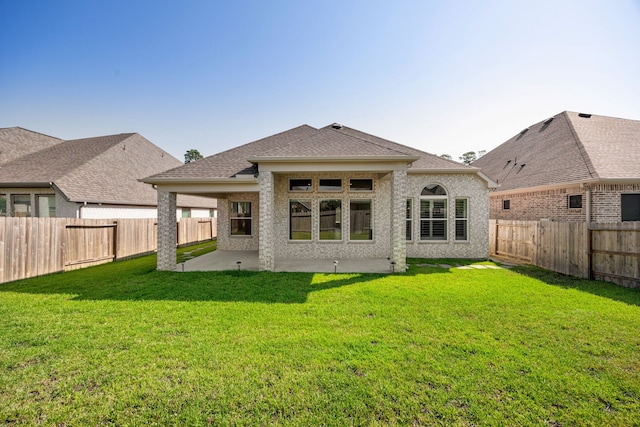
{"x":608,"y":252}
{"x":35,"y":246}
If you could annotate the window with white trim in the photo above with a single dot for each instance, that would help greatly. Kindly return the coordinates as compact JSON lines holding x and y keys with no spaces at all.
{"x":462,"y":219}
{"x":433,"y":213}
{"x":240,"y":218}
{"x":409,"y":220}
{"x":46,"y":205}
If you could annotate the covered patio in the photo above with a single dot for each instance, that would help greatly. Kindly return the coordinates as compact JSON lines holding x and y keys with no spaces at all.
{"x":248,"y":260}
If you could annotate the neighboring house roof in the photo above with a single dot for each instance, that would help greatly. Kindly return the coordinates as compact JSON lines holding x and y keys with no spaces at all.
{"x":567,"y":148}
{"x":16,"y":142}
{"x":305,"y":142}
{"x":103,"y":169}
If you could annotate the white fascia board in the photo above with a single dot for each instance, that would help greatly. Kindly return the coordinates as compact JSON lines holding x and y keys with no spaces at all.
{"x":226,"y":185}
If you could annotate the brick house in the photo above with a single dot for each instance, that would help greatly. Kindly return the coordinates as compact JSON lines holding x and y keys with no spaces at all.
{"x":571,"y":167}
{"x":43,"y":176}
{"x":332,"y":192}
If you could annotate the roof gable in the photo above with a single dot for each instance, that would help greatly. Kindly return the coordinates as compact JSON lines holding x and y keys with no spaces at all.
{"x":16,"y":142}
{"x":308,"y":143}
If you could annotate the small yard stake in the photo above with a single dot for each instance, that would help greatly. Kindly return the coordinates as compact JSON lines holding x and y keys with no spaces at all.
{"x":238,"y":264}
{"x":335,"y":266}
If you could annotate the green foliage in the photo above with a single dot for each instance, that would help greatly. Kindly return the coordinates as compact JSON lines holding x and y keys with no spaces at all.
{"x":124,"y":344}
{"x":192,"y":155}
{"x":468,"y":157}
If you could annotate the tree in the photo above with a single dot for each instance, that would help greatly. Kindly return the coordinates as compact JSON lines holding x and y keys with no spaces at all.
{"x":468,"y":157}
{"x":446,"y":156}
{"x":192,"y":155}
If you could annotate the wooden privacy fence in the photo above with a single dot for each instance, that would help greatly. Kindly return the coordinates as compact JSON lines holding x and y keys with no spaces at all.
{"x":32,"y":247}
{"x":608,"y":252}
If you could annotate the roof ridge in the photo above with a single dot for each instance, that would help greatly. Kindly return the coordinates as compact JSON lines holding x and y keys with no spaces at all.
{"x":583,"y":152}
{"x":370,"y":142}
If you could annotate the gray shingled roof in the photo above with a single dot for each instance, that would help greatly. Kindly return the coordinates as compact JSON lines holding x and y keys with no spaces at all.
{"x":16,"y":142}
{"x":99,"y":170}
{"x":302,"y":142}
{"x":567,"y":148}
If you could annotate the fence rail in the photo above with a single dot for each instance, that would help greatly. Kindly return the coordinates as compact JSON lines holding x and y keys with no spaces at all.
{"x":32,"y":247}
{"x":608,"y":252}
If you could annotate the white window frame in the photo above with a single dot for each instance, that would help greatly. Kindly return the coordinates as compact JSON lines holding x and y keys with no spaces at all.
{"x":371,"y":221}
{"x":232,"y":217}
{"x":460,"y":219}
{"x":432,"y":199}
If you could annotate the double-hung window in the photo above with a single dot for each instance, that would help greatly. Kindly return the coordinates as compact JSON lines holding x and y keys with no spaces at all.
{"x":240,"y":218}
{"x":462,"y":219}
{"x":409,"y":223}
{"x":433,"y":213}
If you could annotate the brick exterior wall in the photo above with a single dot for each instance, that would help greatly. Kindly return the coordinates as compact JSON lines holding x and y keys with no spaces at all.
{"x":226,"y":242}
{"x":167,"y":231}
{"x":386,"y":242}
{"x":554,"y":204}
{"x":468,"y":186}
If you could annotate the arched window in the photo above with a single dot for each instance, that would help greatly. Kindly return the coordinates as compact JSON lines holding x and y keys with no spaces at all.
{"x":433,"y":213}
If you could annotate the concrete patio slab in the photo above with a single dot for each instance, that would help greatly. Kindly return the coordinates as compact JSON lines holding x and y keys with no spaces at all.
{"x":228,"y":260}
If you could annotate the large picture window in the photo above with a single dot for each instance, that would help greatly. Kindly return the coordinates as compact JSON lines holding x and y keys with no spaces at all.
{"x":300,"y":219}
{"x":433,"y":213}
{"x":240,"y":218}
{"x":462,"y":219}
{"x":360,"y":222}
{"x":331,"y":219}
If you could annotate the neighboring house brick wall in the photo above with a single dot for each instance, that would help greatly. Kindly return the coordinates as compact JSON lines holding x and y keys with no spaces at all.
{"x":238,"y":243}
{"x":554,"y":204}
{"x":535,"y":205}
{"x":467,"y":186}
{"x":606,"y":201}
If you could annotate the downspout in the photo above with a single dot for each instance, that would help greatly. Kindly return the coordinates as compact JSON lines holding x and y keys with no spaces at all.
{"x":588,"y":207}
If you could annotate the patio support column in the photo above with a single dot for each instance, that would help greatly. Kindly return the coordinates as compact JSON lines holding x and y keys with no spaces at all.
{"x":398,"y":220}
{"x":266,"y":255}
{"x":167,"y":230}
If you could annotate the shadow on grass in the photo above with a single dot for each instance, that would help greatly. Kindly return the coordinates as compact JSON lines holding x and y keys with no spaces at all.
{"x":595,"y":287}
{"x":137,"y":280}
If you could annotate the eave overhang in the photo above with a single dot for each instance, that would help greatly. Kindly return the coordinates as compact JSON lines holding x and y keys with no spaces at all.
{"x":572,"y":184}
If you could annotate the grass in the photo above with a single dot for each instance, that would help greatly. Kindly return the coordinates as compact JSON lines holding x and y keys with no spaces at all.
{"x":123,"y":344}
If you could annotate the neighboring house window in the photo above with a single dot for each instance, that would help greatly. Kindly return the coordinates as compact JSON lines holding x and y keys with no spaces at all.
{"x":3,"y":205}
{"x":409,"y":223}
{"x":186,"y":212}
{"x":300,"y":184}
{"x":506,"y":205}
{"x":630,"y":207}
{"x":47,"y":206}
{"x":575,"y":201}
{"x":433,"y":213}
{"x":330,"y":185}
{"x":21,"y":205}
{"x":240,"y":218}
{"x":462,"y":219}
{"x":359,"y":184}
{"x":213,"y":213}
{"x":331,"y":219}
{"x":300,"y":219}
{"x":360,"y":222}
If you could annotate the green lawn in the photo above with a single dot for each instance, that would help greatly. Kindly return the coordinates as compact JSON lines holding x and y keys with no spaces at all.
{"x":123,"y":344}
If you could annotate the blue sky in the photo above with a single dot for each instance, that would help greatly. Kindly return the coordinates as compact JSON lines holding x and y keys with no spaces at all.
{"x":441,"y":76}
